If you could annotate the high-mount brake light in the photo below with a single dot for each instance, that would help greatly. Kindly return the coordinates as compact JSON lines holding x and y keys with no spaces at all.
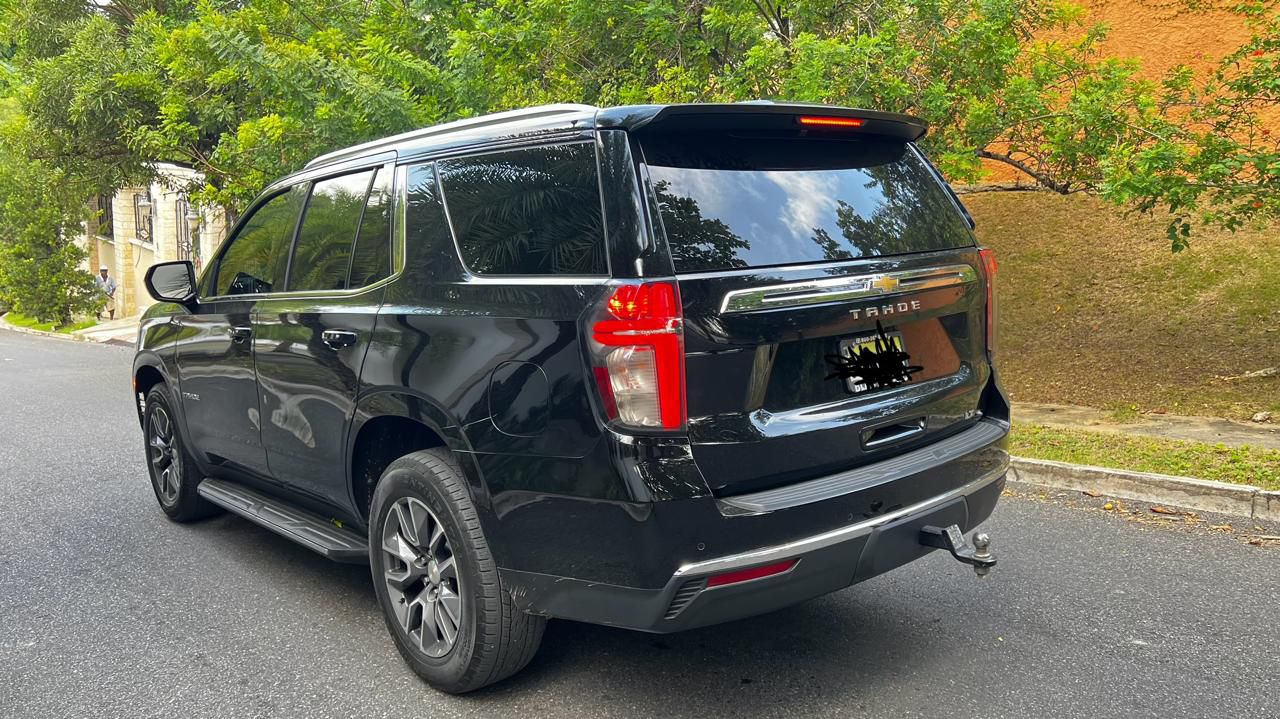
{"x":638,"y":356}
{"x":829,"y":121}
{"x":988,"y":258}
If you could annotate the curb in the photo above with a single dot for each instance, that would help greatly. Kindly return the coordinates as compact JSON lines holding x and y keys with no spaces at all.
{"x":4,"y":324}
{"x":73,"y":336}
{"x":1237,"y":500}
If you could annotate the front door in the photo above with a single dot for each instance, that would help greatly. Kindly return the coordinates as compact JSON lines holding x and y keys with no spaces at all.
{"x":311,"y":340}
{"x":219,"y":393}
{"x":217,"y":379}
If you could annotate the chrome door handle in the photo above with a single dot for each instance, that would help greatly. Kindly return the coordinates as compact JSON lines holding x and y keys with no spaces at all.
{"x":337,"y":339}
{"x":240,"y":333}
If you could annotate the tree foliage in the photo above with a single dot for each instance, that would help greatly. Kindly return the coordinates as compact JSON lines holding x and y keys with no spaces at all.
{"x":39,"y":267}
{"x":245,"y":91}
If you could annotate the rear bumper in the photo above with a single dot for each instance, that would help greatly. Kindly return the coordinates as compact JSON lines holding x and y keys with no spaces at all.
{"x":827,"y":561}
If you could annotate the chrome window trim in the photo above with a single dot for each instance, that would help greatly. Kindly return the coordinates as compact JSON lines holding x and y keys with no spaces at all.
{"x":843,"y":289}
{"x":536,"y":279}
{"x":800,"y":547}
{"x":397,"y":196}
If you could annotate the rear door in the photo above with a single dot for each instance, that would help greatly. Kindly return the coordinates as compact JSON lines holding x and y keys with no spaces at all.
{"x":311,"y":339}
{"x":832,"y":297}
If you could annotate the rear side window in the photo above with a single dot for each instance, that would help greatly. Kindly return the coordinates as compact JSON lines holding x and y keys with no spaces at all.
{"x":323,"y":252}
{"x":732,"y":202}
{"x":256,"y":259}
{"x":371,"y":258}
{"x":527,"y":212}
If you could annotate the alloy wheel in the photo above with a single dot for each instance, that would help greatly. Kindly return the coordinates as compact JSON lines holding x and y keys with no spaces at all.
{"x":422,"y":577}
{"x":166,"y":462}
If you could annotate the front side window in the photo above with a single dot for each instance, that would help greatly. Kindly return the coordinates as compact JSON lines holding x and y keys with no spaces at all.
{"x":527,"y":212}
{"x":256,"y":259}
{"x":323,"y":250}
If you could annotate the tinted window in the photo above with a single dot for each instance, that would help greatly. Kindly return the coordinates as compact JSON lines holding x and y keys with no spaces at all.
{"x":735,"y":202}
{"x":323,"y":251}
{"x":527,"y":212}
{"x":426,"y":230}
{"x":256,"y":259}
{"x":372,"y":256}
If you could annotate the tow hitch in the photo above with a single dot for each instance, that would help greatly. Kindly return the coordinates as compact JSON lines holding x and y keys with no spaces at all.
{"x":952,"y":540}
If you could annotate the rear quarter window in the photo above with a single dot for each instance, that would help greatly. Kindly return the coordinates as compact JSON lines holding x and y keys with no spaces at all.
{"x":735,"y":202}
{"x":533,"y":211}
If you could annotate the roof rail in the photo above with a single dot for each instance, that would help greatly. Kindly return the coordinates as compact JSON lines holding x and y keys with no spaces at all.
{"x":470,"y":123}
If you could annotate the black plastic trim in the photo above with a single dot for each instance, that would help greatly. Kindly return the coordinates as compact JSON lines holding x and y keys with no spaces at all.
{"x":310,"y":530}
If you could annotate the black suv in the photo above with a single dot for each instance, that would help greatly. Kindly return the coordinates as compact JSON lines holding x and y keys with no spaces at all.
{"x":653,"y":367}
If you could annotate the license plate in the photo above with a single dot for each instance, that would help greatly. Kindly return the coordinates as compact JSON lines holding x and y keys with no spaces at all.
{"x":869,"y":348}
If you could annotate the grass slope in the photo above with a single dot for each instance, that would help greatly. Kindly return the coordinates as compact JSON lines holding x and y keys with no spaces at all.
{"x":1097,"y":311}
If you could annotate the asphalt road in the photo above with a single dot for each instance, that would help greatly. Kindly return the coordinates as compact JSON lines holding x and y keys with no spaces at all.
{"x":109,"y":610}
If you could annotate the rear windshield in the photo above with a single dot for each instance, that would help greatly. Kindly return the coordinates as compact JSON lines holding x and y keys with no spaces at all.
{"x":729,"y":202}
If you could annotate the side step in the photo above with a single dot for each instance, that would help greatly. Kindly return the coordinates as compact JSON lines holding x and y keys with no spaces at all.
{"x":310,"y":530}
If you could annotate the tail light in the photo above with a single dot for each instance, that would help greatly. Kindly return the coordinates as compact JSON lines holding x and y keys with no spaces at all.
{"x":637,"y":354}
{"x":988,"y":258}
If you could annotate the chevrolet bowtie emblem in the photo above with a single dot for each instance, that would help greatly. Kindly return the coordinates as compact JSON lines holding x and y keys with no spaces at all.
{"x":885,"y":283}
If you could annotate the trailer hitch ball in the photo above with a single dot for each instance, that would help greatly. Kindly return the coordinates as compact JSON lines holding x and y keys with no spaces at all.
{"x":982,"y":553}
{"x":952,"y":539}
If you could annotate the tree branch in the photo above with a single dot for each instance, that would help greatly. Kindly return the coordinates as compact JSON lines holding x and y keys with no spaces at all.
{"x":1040,"y":177}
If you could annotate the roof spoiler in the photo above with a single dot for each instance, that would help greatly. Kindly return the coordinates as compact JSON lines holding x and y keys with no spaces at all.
{"x":765,"y":115}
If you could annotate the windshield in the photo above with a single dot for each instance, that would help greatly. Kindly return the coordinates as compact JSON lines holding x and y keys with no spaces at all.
{"x":733,"y":202}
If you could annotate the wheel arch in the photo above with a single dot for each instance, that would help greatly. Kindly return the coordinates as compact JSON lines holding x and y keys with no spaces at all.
{"x":148,"y":371}
{"x":388,"y":425}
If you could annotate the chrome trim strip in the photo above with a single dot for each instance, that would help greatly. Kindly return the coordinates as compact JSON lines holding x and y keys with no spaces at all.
{"x":472,"y":279}
{"x":399,"y":201}
{"x":926,"y":458}
{"x":843,"y":289}
{"x":824,"y":265}
{"x":799,"y":547}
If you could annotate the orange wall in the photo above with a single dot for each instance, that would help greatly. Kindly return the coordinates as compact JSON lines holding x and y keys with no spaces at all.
{"x":1162,"y":34}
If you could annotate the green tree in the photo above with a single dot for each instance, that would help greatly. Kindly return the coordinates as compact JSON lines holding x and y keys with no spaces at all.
{"x":1212,"y":151}
{"x":249,"y":90}
{"x":40,"y":273}
{"x":1024,"y":83}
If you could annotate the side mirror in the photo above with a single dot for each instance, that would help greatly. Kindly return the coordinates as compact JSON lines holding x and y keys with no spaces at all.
{"x":172,"y":282}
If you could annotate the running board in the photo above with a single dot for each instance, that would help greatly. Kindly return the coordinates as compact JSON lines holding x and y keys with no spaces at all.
{"x":310,"y":530}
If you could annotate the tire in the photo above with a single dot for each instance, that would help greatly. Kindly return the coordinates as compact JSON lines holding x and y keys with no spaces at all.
{"x":424,"y":494}
{"x":173,"y":472}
